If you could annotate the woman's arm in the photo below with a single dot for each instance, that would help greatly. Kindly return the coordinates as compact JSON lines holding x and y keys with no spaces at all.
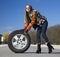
{"x":33,"y":20}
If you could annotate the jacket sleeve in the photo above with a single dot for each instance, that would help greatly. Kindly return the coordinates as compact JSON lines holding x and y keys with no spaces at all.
{"x":33,"y":20}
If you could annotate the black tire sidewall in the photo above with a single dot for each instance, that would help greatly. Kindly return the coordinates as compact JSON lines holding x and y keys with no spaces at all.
{"x":10,"y":41}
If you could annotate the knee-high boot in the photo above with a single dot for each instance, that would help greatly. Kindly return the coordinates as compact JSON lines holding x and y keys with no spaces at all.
{"x":38,"y":48}
{"x":50,"y":47}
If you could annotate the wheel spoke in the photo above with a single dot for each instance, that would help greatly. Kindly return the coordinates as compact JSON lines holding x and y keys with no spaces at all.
{"x":15,"y":44}
{"x":15,"y":37}
{"x":24,"y":42}
{"x":18,"y":35}
{"x":22,"y":36}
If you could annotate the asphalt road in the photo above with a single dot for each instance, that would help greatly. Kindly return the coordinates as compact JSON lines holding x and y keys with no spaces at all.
{"x":6,"y":52}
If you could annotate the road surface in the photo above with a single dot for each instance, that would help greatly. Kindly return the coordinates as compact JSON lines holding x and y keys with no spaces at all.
{"x":6,"y":52}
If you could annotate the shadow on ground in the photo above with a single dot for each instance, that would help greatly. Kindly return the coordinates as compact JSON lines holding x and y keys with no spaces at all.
{"x":40,"y":53}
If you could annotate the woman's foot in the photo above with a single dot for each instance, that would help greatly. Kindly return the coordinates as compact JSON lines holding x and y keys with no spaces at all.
{"x":50,"y":47}
{"x":38,"y":48}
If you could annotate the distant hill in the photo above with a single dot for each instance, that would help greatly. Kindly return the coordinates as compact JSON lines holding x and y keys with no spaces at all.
{"x":53,"y":34}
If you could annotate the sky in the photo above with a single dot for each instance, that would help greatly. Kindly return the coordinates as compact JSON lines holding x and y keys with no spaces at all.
{"x":12,"y":13}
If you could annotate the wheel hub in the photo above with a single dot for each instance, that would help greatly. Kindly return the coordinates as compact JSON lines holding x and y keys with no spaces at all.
{"x":19,"y":41}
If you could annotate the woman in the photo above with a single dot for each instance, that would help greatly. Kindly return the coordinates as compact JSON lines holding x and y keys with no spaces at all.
{"x":36,"y":20}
